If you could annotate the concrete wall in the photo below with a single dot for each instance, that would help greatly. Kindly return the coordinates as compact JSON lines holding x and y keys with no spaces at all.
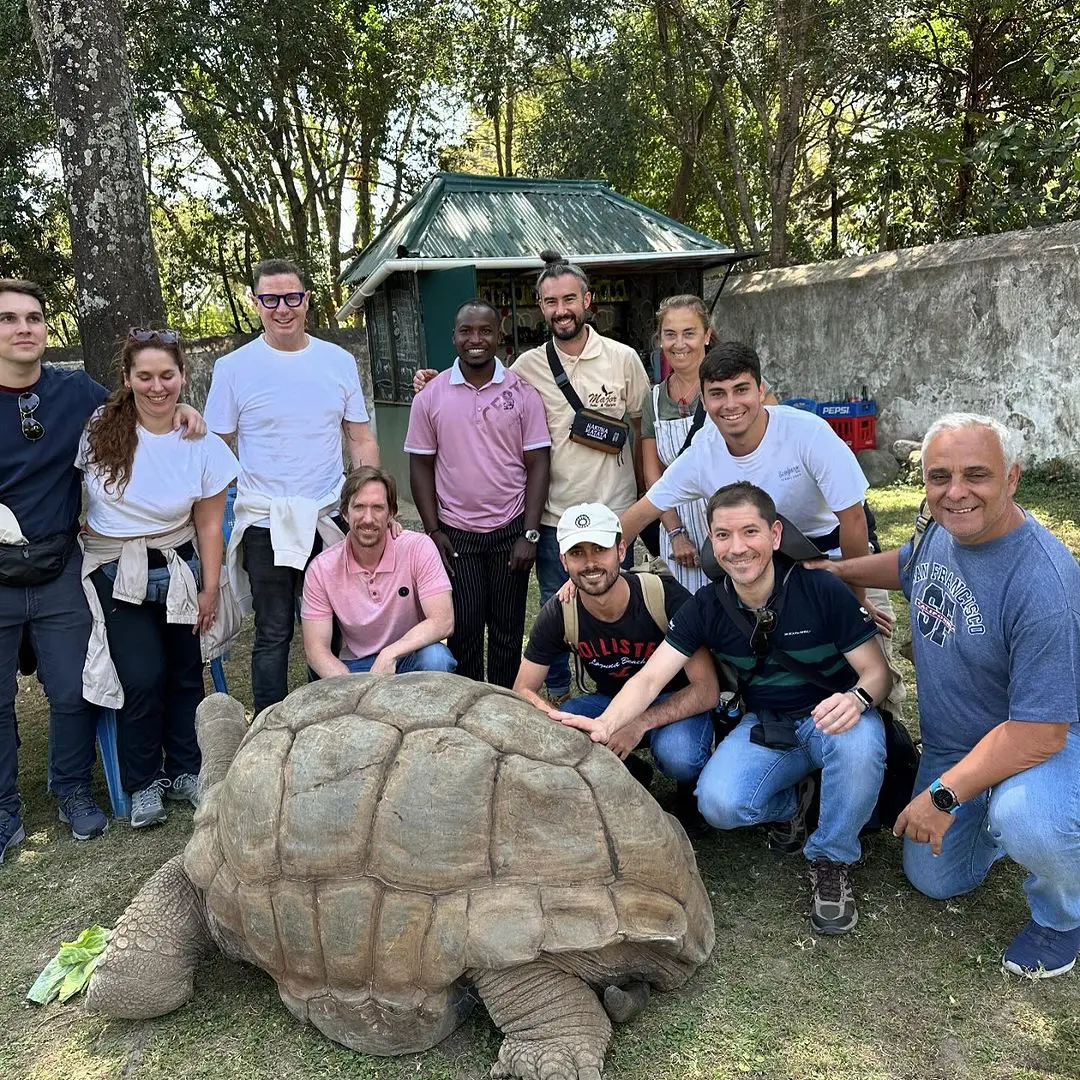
{"x":989,"y":325}
{"x":202,"y":354}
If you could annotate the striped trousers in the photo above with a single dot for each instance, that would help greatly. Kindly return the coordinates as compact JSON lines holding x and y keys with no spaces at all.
{"x":487,"y":597}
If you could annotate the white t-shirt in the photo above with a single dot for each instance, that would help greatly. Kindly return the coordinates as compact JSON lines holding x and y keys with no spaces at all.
{"x":168,"y":476}
{"x":801,"y":462}
{"x":287,"y":409}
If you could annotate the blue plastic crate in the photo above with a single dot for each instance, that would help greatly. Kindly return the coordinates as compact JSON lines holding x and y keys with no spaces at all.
{"x":840,"y":410}
{"x":804,"y":403}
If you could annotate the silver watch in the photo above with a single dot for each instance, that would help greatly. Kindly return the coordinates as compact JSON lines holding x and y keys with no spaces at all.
{"x":862,"y":697}
{"x":532,"y":535}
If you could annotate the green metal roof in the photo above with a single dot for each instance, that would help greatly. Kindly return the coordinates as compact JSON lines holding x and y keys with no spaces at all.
{"x":458,"y":216}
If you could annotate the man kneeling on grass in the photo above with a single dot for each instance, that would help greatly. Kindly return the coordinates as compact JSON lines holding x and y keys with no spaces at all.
{"x":620,"y":620}
{"x":389,"y":595}
{"x":787,"y":632}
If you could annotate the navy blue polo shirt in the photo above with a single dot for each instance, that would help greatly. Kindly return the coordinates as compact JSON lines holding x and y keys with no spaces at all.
{"x":820,"y":620}
{"x":39,"y":483}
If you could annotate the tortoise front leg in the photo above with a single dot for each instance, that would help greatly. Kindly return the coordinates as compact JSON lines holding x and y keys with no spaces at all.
{"x":148,"y":968}
{"x":554,"y":1025}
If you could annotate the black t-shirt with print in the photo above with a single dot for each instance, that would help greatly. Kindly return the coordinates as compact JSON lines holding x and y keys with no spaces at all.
{"x":610,"y":651}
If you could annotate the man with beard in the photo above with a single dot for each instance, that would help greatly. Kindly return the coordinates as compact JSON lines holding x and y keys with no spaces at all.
{"x":617,"y":632}
{"x":792,"y":725}
{"x":390,"y":595}
{"x":608,"y":377}
{"x":479,"y":451}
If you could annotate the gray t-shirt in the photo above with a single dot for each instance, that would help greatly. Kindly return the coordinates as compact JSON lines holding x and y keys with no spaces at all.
{"x":995,"y":629}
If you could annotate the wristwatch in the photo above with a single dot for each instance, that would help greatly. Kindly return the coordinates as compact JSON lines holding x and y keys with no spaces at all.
{"x":532,"y":535}
{"x":944,"y":798}
{"x":863,"y":698}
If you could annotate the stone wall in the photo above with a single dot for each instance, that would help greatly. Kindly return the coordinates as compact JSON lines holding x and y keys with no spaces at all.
{"x":989,"y":325}
{"x":202,"y":353}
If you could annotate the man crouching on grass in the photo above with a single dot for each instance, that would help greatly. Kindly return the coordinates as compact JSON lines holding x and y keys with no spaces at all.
{"x":763,"y":611}
{"x":995,"y":629}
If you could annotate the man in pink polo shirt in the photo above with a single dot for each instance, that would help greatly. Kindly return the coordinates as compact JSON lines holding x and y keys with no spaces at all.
{"x":391,"y":597}
{"x":479,"y":463}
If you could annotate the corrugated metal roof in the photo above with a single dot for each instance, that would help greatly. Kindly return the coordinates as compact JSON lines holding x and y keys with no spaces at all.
{"x":457,"y":216}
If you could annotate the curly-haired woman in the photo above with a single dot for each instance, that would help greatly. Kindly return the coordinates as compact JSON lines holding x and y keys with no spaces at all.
{"x":152,"y":568}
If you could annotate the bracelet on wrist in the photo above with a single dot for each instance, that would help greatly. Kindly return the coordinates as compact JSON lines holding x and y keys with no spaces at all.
{"x":679,"y":530}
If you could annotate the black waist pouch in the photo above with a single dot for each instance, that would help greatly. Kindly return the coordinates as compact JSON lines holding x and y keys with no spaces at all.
{"x":774,"y":730}
{"x":601,"y":432}
{"x":23,"y":566}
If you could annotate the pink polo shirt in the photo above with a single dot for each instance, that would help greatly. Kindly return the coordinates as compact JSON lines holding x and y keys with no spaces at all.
{"x":479,"y":438}
{"x":374,"y":608}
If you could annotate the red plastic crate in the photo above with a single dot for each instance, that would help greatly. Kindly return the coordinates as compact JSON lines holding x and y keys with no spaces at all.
{"x":859,"y":432}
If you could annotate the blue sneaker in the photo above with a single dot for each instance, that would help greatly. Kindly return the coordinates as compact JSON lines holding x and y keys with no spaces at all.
{"x":1038,"y":952}
{"x":11,"y":832}
{"x":86,"y":818}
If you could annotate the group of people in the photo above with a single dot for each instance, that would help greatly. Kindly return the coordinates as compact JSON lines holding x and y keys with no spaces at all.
{"x":756,"y":675}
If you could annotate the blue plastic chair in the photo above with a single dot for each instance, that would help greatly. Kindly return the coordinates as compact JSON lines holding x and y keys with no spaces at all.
{"x":106,"y":728}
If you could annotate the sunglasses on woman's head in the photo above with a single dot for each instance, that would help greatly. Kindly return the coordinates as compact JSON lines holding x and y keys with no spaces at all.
{"x":32,"y":428}
{"x":143,"y":335}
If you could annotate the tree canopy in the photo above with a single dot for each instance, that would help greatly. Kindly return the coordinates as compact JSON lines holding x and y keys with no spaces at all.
{"x":807,"y":129}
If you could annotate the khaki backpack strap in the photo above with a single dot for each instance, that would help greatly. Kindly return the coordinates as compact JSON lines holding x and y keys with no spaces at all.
{"x":652,"y":589}
{"x":924,"y":521}
{"x":570,"y":624}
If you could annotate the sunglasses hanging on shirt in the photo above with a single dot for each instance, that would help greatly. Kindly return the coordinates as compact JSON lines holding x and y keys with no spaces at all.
{"x":32,"y":428}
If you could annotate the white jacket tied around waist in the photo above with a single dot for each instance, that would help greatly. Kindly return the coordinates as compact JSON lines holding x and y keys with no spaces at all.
{"x":294,"y":520}
{"x":101,"y":684}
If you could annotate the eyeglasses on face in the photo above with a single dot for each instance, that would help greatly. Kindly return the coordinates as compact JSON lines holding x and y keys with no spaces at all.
{"x":144,"y":335}
{"x":271,"y":300}
{"x":32,"y":428}
{"x":765,"y":624}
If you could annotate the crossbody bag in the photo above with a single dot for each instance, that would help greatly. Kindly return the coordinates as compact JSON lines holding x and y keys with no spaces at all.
{"x":589,"y":427}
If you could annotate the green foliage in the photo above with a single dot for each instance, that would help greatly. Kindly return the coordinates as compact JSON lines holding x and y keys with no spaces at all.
{"x":33,"y":226}
{"x":69,"y":971}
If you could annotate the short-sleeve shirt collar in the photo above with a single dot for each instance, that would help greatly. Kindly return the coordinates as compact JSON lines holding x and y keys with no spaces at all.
{"x":457,"y":376}
{"x":387,"y":563}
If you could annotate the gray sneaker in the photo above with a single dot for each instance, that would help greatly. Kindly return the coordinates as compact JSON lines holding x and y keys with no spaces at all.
{"x":832,"y":905}
{"x":147,"y":807}
{"x":185,"y":786}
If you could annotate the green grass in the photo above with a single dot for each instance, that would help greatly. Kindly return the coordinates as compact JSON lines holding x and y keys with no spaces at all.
{"x":915,"y":991}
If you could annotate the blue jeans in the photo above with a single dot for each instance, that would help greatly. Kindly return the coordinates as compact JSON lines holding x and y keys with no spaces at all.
{"x":681,"y":749}
{"x":551,"y":577}
{"x":58,"y":621}
{"x":1033,"y":817}
{"x":436,"y":657}
{"x":747,"y":784}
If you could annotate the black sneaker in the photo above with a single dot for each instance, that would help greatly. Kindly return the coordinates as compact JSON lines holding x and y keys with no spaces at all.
{"x":85,"y":817}
{"x":11,"y":832}
{"x":832,"y":903}
{"x":789,"y":837}
{"x":684,"y":809}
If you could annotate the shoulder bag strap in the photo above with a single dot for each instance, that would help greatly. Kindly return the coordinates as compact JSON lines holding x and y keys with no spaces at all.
{"x":697,"y":424}
{"x":562,"y":380}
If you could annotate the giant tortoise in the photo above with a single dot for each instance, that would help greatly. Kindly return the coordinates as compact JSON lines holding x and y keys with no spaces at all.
{"x":389,"y":847}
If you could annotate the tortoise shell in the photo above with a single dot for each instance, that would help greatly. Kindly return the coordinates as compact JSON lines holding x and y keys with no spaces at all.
{"x":377,"y":836}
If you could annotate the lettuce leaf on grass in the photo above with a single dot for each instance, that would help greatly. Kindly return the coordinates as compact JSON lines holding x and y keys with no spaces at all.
{"x":69,"y":971}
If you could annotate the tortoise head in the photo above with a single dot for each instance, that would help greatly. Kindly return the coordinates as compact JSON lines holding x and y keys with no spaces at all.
{"x":220,"y":726}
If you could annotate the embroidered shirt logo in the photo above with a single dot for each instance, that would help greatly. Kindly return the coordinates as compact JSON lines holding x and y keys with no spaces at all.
{"x":603,"y":399}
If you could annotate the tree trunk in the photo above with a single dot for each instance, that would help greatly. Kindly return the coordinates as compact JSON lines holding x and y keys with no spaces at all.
{"x":116,"y":274}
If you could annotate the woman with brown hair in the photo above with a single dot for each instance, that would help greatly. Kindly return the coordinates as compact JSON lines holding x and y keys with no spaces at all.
{"x":152,"y":569}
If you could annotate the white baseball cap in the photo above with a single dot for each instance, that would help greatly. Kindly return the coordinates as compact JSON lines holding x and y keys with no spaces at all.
{"x":591,"y":523}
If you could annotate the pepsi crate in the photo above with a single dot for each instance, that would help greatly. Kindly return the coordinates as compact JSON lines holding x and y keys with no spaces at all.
{"x":859,"y":432}
{"x":842,"y":410}
{"x":804,"y":403}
